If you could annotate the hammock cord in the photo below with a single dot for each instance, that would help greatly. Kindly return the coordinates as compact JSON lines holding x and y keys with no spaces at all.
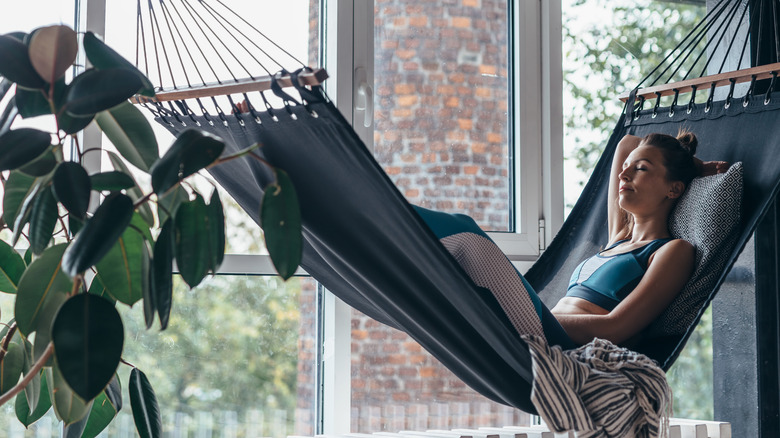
{"x":733,"y":39}
{"x":169,"y":23}
{"x":721,"y":34}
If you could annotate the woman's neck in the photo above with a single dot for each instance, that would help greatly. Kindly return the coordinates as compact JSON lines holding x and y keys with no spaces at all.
{"x":649,"y":228}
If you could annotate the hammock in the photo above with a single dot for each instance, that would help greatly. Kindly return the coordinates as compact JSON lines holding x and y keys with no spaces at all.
{"x":365,"y":243}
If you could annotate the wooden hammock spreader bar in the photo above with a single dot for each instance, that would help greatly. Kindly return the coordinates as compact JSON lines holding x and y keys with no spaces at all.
{"x":704,"y":82}
{"x":315,"y":77}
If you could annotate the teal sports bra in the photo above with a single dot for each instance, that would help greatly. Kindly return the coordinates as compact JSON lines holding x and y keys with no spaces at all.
{"x":606,"y":280}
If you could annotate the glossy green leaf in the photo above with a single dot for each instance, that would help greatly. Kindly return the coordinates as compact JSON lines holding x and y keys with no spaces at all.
{"x":134,"y":193}
{"x":20,"y":146}
{"x":52,"y":51}
{"x":121,"y":271}
{"x":169,"y":203}
{"x":112,"y":181}
{"x":71,"y":124}
{"x":76,"y":429}
{"x":74,"y":224}
{"x":143,"y":401}
{"x":104,"y":409}
{"x":12,"y":267}
{"x":15,"y":63}
{"x":41,"y":291}
{"x":216,"y":225}
{"x":72,"y":186}
{"x":68,"y":406}
{"x":11,"y":367}
{"x":191,"y":241}
{"x":101,"y":56}
{"x":99,"y":234}
{"x":162,"y":273}
{"x":32,"y":103}
{"x":192,"y":151}
{"x":33,"y":388}
{"x":22,"y":407}
{"x":43,"y":165}
{"x":280,"y":217}
{"x":88,"y":336}
{"x":17,"y":189}
{"x":97,"y":90}
{"x":131,"y":133}
{"x":97,"y":288}
{"x":43,"y":218}
{"x":149,"y":299}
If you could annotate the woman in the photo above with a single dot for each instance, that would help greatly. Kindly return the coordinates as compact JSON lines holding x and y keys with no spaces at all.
{"x":618,"y":292}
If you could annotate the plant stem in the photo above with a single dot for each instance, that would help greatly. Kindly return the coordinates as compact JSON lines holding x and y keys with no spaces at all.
{"x":33,"y":371}
{"x":7,"y":341}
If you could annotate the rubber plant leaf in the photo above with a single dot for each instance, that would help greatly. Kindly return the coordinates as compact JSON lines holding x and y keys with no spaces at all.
{"x":280,"y":217}
{"x":97,"y":90}
{"x":99,"y":234}
{"x":162,"y":273}
{"x":22,"y":407}
{"x":17,"y":188}
{"x":32,"y":103}
{"x":216,"y":223}
{"x":71,"y":186}
{"x":68,"y":407}
{"x":12,"y":267}
{"x":43,"y":218}
{"x":134,"y":192}
{"x":53,"y":51}
{"x":88,"y":336}
{"x":33,"y":389}
{"x":168,"y":203}
{"x":15,"y":63}
{"x":143,"y":401}
{"x":41,"y":291}
{"x":149,"y":300}
{"x":191,"y":241}
{"x":44,"y":164}
{"x":20,"y":146}
{"x":131,"y":134}
{"x":11,"y":369}
{"x":111,"y":181}
{"x":121,"y":271}
{"x":190,"y":152}
{"x":102,"y":57}
{"x":104,"y":409}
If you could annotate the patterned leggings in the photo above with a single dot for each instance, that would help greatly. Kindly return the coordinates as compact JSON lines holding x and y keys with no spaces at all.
{"x":489,"y":268}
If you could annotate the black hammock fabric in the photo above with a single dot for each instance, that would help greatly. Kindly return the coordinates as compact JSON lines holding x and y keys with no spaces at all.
{"x":364,"y":242}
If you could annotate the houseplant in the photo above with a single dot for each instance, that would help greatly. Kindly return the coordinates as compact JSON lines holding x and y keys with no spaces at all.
{"x":98,"y":241}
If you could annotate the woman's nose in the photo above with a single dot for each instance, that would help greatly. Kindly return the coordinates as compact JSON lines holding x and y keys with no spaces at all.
{"x":624,"y":174}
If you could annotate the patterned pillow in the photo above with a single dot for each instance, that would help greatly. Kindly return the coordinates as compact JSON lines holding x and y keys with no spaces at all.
{"x":708,"y":216}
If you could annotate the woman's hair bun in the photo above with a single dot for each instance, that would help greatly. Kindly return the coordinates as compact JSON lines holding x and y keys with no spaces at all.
{"x":688,"y":141}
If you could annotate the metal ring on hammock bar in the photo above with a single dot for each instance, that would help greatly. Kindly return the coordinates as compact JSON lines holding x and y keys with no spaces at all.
{"x":269,"y":108}
{"x":657,"y":104}
{"x":205,"y":112}
{"x":768,"y":96}
{"x":692,"y":102}
{"x":190,"y":113}
{"x":674,"y":102}
{"x":749,"y":94}
{"x":176,"y":114}
{"x":236,"y":111}
{"x":252,"y":109}
{"x":731,"y":93}
{"x":639,"y":107}
{"x":220,"y":113}
{"x":161,"y":114}
{"x":708,"y":105}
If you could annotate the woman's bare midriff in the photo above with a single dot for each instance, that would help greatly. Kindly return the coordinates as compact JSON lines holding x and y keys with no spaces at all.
{"x":577,"y":306}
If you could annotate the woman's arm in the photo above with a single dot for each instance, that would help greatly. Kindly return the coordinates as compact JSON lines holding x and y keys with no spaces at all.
{"x":669,"y":269}
{"x":616,"y":215}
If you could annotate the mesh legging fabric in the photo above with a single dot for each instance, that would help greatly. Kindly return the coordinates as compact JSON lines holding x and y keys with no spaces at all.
{"x":490,"y":269}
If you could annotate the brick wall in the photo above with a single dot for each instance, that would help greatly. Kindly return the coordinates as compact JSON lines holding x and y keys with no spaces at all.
{"x":441,"y":134}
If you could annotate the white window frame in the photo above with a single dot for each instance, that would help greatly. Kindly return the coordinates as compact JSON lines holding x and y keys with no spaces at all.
{"x":537,"y":125}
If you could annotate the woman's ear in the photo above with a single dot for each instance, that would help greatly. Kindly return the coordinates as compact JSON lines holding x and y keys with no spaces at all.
{"x":676,"y":190}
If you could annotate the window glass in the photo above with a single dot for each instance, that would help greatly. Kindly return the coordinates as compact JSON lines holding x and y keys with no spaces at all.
{"x":609,"y":46}
{"x":441,"y":105}
{"x":441,"y":134}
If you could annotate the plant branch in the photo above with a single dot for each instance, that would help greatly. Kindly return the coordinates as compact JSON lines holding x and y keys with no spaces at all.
{"x":7,"y":341}
{"x":31,"y":373}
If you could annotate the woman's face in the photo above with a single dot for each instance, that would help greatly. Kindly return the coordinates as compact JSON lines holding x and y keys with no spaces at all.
{"x":644,"y":188}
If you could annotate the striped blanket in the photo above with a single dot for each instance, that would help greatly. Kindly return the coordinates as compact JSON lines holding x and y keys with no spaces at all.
{"x":599,"y":390}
